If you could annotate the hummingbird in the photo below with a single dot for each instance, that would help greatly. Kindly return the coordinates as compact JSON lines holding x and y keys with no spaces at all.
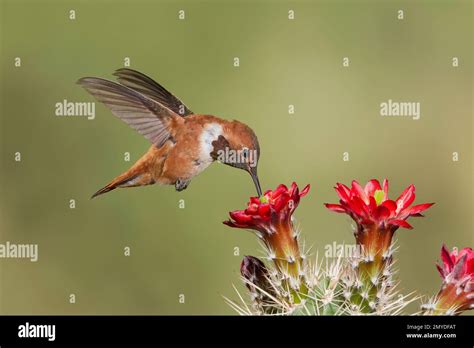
{"x":183,"y":143}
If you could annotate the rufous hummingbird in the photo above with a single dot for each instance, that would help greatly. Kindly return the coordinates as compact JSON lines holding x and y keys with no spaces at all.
{"x":183,"y":143}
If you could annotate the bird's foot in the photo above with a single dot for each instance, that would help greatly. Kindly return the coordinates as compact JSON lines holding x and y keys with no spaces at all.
{"x":181,"y":185}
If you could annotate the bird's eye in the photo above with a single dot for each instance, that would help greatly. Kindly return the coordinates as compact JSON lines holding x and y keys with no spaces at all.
{"x":245,"y":153}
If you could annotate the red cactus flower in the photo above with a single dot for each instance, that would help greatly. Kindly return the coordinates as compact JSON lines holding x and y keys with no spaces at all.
{"x":273,"y":208}
{"x":456,"y":265}
{"x":371,"y":205}
{"x":271,"y":216}
{"x":377,"y":218}
{"x":457,"y":271}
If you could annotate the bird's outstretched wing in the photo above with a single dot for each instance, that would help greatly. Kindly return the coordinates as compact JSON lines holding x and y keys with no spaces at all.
{"x":152,"y":89}
{"x":151,"y":119}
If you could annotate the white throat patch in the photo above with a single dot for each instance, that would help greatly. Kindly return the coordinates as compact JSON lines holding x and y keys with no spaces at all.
{"x":211,"y":133}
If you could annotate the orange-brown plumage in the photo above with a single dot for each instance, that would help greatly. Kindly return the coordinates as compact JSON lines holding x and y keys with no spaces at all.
{"x":184,"y":143}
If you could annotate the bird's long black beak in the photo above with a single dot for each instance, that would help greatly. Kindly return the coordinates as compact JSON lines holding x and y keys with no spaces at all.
{"x":253,"y":174}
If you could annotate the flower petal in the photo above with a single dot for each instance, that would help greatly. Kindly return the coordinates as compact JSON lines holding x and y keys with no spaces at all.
{"x":417,"y":209}
{"x":385,"y":189}
{"x":358,"y":206}
{"x":293,"y":189}
{"x":372,"y":205}
{"x":382,"y":213}
{"x":406,"y":198}
{"x":343,"y":192}
{"x":441,"y":271}
{"x":231,"y":223}
{"x":254,"y":200}
{"x":240,"y":217}
{"x":390,"y":205}
{"x":335,"y":207}
{"x":401,"y":223}
{"x":357,"y":190}
{"x":446,"y":258}
{"x":279,"y":190}
{"x":263,"y":209}
{"x":281,"y":201}
{"x":372,"y":186}
{"x":469,"y":264}
{"x":305,"y":191}
{"x":251,"y":209}
{"x":459,"y":268}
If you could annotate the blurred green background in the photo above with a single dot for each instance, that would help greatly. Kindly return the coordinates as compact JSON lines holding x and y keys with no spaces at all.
{"x":189,"y":251}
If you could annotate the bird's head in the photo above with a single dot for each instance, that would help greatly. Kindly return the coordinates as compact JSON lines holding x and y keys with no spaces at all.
{"x":238,"y":147}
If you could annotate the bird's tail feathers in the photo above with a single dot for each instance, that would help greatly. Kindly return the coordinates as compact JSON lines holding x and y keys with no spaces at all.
{"x":131,"y":178}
